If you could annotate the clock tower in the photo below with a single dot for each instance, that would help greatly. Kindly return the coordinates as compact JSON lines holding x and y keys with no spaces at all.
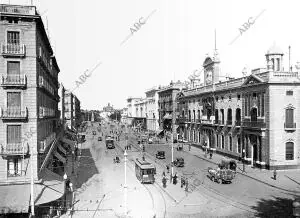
{"x":211,"y":70}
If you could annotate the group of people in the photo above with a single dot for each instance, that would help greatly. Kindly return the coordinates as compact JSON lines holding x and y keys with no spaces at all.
{"x":173,"y":179}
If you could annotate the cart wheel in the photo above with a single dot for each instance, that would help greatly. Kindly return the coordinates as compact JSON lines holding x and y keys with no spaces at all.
{"x":220,"y":181}
{"x":213,"y":178}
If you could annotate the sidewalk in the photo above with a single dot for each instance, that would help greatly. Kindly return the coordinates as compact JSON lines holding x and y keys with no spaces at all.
{"x":287,"y":180}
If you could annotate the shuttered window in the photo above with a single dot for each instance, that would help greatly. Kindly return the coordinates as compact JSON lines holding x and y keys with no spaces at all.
{"x":13,"y":37}
{"x":13,"y":134}
{"x":13,"y":67}
{"x":289,"y":117}
{"x":14,"y":99}
{"x":289,"y":151}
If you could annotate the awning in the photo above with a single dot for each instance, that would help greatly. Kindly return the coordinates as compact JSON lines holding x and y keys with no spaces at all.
{"x":69,"y":142}
{"x":14,"y":198}
{"x":61,"y":149}
{"x":167,"y":117}
{"x":51,"y":189}
{"x":59,"y":157}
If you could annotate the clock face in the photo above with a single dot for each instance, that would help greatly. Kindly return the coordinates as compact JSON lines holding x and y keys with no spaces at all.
{"x":208,"y":77}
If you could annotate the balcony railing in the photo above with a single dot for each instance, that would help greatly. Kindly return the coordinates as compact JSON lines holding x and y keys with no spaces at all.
{"x":15,"y":80}
{"x":182,"y":120}
{"x":254,"y":124}
{"x":14,"y":149}
{"x":13,"y":50}
{"x":44,"y":144}
{"x":44,"y":84}
{"x":237,"y":123}
{"x":290,"y":126}
{"x":46,"y":112}
{"x":206,"y":121}
{"x":14,"y":113}
{"x":229,"y":122}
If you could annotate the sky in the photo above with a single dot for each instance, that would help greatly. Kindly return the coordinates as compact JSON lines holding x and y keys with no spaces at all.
{"x":170,"y":45}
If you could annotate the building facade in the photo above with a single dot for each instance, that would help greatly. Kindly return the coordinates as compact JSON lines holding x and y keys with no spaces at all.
{"x":152,"y":109}
{"x":30,"y":131}
{"x":72,"y":110}
{"x":167,"y":103}
{"x":253,"y":118}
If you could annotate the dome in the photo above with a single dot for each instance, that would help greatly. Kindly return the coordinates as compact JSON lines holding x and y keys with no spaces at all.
{"x":274,"y":49}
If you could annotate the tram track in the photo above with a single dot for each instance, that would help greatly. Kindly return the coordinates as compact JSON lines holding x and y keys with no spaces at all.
{"x":212,"y":193}
{"x":155,"y":185}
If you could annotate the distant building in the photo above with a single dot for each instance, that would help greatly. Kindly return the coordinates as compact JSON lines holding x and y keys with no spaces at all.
{"x":152,"y":109}
{"x":72,"y":110}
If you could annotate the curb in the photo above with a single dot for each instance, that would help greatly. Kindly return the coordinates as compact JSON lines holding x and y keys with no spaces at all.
{"x":251,"y":177}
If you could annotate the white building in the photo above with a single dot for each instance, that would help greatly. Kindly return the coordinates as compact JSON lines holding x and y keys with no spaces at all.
{"x":152,"y":109}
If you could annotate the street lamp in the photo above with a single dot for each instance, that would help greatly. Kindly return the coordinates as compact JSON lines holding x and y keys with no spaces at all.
{"x":125,"y":184}
{"x":243,"y":160}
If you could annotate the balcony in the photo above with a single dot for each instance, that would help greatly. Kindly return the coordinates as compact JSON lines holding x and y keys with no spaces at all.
{"x":14,"y":149}
{"x":254,"y":124}
{"x":44,"y":144}
{"x":16,"y":50}
{"x":237,"y":123}
{"x":229,"y":122}
{"x":198,"y":120}
{"x":46,"y":112}
{"x":14,"y":80}
{"x":290,"y":126}
{"x":206,"y":121}
{"x":13,"y":113}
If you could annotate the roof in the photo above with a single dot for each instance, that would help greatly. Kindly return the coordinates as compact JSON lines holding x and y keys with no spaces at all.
{"x":144,"y":164}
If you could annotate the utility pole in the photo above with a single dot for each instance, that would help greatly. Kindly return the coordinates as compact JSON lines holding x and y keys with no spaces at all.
{"x":173,"y":130}
{"x":31,"y":183}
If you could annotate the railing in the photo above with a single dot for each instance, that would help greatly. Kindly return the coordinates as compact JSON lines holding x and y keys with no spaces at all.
{"x":285,"y":74}
{"x":14,"y":80}
{"x":221,"y":122}
{"x":254,"y":124}
{"x":44,"y":84}
{"x":14,"y":149}
{"x":46,"y":142}
{"x":18,"y":9}
{"x":46,"y":112}
{"x":13,"y":113}
{"x":182,"y":120}
{"x":206,"y":121}
{"x":290,"y":126}
{"x":237,"y":123}
{"x":13,"y":49}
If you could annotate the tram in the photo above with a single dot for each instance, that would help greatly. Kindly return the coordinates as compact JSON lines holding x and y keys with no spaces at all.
{"x":145,"y":171}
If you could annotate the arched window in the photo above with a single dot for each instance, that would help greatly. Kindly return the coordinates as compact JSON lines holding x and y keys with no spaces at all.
{"x":222,"y":142}
{"x":289,"y":151}
{"x":229,"y":116}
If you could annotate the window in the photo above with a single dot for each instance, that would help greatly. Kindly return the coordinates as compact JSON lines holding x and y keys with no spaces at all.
{"x":13,"y":134}
{"x":229,"y":116}
{"x":217,"y":140}
{"x":14,"y":100}
{"x":13,"y":37}
{"x":263,"y":104}
{"x":198,"y":115}
{"x":222,"y":97}
{"x":289,"y":118}
{"x":222,"y":114}
{"x":239,"y":147}
{"x":289,"y":151}
{"x":13,"y":67}
{"x":14,"y":167}
{"x":290,"y":92}
{"x":254,"y":95}
{"x":246,"y":104}
{"x":217,"y":98}
{"x":238,"y":97}
{"x":230,"y":143}
{"x":222,"y":142}
{"x":229,"y":97}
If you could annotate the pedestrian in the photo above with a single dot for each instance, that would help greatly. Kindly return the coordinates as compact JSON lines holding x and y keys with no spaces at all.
{"x":164,"y":174}
{"x":166,"y":139}
{"x":171,"y":177}
{"x":274,"y":174}
{"x":175,"y":179}
{"x":189,"y":147}
{"x":182,"y":182}
{"x":168,"y":169}
{"x":164,"y":181}
{"x":210,"y":155}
